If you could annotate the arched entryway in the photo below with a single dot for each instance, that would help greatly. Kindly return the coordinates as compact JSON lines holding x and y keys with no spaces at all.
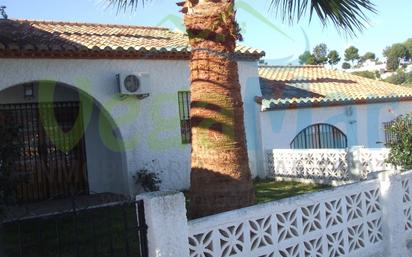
{"x":63,"y":152}
{"x":319,"y":136}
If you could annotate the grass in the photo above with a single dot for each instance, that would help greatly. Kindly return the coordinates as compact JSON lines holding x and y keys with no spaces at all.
{"x":269,"y":190}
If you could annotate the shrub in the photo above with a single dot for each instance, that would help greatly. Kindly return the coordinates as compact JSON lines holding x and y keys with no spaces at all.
{"x":408,"y":78}
{"x":377,"y":74}
{"x":346,"y":65}
{"x":401,"y":146}
{"x":397,"y":79}
{"x":365,"y":74}
{"x":400,"y":78}
{"x":148,"y":179}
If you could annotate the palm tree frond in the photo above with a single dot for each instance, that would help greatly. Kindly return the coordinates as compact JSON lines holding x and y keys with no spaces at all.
{"x":347,"y":15}
{"x":126,"y":4}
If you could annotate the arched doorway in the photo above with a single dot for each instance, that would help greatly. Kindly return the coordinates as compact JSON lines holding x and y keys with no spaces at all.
{"x":62,"y":152}
{"x":319,"y":136}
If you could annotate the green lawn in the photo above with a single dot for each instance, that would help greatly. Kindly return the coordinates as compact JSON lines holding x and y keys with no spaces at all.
{"x":269,"y":190}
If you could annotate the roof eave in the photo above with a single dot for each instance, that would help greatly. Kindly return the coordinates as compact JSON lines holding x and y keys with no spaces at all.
{"x":90,"y":54}
{"x":320,"y":104}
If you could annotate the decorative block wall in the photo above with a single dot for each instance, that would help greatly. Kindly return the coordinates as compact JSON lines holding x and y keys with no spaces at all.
{"x":372,"y":218}
{"x":326,"y":164}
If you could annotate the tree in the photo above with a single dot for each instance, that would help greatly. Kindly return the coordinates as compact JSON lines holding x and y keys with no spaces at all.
{"x":392,"y":63}
{"x":408,"y":45}
{"x":368,"y":56}
{"x":351,"y":54}
{"x":3,"y":12}
{"x":320,"y":53}
{"x":220,"y":176}
{"x":394,"y":55}
{"x":333,"y":57}
{"x":386,"y":51}
{"x":307,"y":58}
{"x":400,"y":51}
{"x":346,"y":66}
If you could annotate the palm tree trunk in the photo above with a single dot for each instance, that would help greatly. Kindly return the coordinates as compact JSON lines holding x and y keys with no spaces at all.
{"x":220,"y":177}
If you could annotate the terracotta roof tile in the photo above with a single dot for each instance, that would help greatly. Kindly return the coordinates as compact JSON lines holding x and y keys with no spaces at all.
{"x":21,"y":36}
{"x":306,"y":86}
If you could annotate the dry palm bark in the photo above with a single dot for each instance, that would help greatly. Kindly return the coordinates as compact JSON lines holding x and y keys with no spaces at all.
{"x":220,"y":177}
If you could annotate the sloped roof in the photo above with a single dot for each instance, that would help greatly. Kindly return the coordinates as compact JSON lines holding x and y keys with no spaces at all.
{"x":45,"y":38}
{"x":310,"y":86}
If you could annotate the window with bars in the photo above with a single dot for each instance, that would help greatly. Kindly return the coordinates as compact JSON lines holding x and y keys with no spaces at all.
{"x":184,"y":113}
{"x":319,"y":136}
{"x":390,"y":137}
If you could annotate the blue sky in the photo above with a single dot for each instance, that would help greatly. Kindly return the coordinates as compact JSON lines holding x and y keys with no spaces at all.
{"x":392,"y":24}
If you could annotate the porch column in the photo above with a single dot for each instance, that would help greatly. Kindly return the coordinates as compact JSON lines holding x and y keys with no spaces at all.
{"x":354,"y":163}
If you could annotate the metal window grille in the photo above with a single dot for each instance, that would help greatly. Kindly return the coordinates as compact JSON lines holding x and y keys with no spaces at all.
{"x":184,"y":113}
{"x":390,"y":137}
{"x":319,"y":136}
{"x":47,"y":166}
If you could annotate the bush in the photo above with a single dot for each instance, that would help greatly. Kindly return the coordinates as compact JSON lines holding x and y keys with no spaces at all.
{"x":377,"y":74}
{"x":346,"y":65}
{"x":400,"y":78}
{"x":401,"y":146}
{"x":408,"y":78}
{"x":365,"y":74}
{"x":397,"y":79}
{"x":148,"y":179}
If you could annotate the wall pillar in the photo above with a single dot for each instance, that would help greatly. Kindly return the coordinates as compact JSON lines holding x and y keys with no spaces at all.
{"x":354,"y":163}
{"x":393,"y":220}
{"x":165,"y":214}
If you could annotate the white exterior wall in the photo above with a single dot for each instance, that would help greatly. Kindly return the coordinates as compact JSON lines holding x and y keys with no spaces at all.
{"x":249,"y":81}
{"x":149,"y":128}
{"x":364,"y":126}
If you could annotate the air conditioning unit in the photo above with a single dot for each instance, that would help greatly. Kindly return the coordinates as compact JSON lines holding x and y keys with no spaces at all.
{"x":134,"y":84}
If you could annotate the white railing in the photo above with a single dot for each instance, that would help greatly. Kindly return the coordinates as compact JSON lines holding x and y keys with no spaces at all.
{"x":371,"y":160}
{"x":309,"y":164}
{"x":407,"y":203}
{"x":326,"y":164}
{"x":372,"y":218}
{"x":337,"y":222}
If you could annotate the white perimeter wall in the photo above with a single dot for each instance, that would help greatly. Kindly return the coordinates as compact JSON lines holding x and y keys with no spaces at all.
{"x":150,"y":128}
{"x":362,"y":124}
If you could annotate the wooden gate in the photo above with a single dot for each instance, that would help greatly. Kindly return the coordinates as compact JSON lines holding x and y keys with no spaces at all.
{"x":52,"y":161}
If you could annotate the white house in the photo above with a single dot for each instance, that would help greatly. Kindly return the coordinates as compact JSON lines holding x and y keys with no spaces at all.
{"x":70,"y":69}
{"x":313,"y":107}
{"x":370,"y":65}
{"x":59,"y":84}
